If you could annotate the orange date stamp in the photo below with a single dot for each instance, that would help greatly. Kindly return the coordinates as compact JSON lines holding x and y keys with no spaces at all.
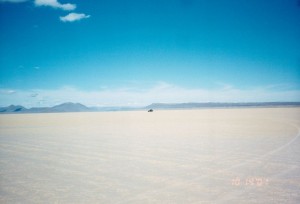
{"x":250,"y":181}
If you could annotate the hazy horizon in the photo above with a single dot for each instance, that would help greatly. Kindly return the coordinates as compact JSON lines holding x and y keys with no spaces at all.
{"x":270,"y":103}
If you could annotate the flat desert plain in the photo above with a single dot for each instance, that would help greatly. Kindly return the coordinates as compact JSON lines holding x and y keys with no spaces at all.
{"x":173,"y":156}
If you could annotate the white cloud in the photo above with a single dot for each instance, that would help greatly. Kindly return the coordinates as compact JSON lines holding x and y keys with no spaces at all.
{"x":159,"y":92}
{"x":73,"y":17}
{"x":7,"y":91}
{"x":13,"y":1}
{"x":55,"y":4}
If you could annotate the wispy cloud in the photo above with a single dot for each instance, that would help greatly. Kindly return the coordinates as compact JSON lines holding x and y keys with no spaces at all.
{"x":71,"y":17}
{"x":132,"y":96}
{"x":34,"y":95}
{"x":7,"y":91}
{"x":55,"y":4}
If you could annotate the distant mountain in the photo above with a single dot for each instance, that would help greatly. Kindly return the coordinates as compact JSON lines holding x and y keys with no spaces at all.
{"x":70,"y":107}
{"x":12,"y":109}
{"x":65,"y":107}
{"x":218,"y":105}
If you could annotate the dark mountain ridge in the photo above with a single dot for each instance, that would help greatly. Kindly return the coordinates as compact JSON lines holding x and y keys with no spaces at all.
{"x":12,"y":109}
{"x":65,"y":107}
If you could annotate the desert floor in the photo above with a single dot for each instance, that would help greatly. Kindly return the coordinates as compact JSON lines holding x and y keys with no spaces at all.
{"x":175,"y":156}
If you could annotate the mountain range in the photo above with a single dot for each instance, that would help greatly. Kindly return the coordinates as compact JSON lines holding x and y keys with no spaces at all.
{"x":218,"y":105}
{"x":65,"y":107}
{"x":77,"y":107}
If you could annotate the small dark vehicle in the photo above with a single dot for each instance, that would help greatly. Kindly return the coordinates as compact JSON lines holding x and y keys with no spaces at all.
{"x":150,"y":110}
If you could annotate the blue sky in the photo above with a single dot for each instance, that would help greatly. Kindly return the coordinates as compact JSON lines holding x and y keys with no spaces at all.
{"x":135,"y":52}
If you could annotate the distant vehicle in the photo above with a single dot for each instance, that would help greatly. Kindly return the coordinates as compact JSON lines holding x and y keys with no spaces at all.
{"x":151,"y":110}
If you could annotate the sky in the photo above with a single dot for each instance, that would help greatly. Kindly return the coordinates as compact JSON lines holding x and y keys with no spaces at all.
{"x":138,"y":52}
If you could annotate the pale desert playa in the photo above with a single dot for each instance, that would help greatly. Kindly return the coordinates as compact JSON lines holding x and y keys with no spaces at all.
{"x":236,"y":155}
